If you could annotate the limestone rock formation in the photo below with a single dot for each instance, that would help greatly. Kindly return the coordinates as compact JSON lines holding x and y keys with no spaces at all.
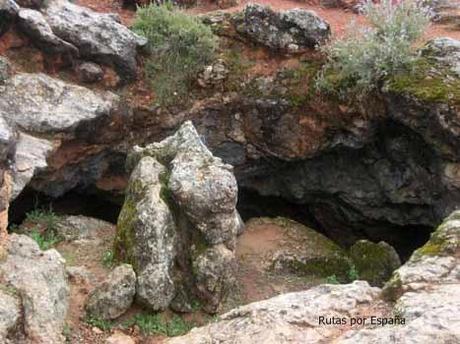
{"x":288,"y":318}
{"x":374,"y":263}
{"x":305,"y":252}
{"x":33,"y":23}
{"x":97,"y":36}
{"x":291,"y":30}
{"x":179,"y":222}
{"x":41,"y":104}
{"x":89,"y":72}
{"x":10,"y":313}
{"x":40,"y":280}
{"x":114,"y":296}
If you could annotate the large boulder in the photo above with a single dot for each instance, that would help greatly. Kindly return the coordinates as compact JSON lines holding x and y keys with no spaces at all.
{"x":98,"y":36}
{"x":290,"y":30}
{"x":374,"y":263}
{"x":114,"y":296}
{"x":146,"y":235}
{"x":33,"y":23}
{"x":38,"y":103}
{"x":41,"y":281}
{"x":179,"y":222}
{"x":288,"y":318}
{"x":30,"y":158}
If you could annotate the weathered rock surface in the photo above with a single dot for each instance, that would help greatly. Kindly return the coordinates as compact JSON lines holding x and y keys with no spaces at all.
{"x":5,"y":69}
{"x":10,"y":313}
{"x":426,"y":293}
{"x":305,"y":252}
{"x":290,"y":30}
{"x":97,"y":36}
{"x":41,"y":104}
{"x":90,"y":72}
{"x":179,"y":210}
{"x":288,"y":318}
{"x":78,"y":227}
{"x":146,"y":235}
{"x":114,"y":296}
{"x":30,"y":158}
{"x":8,"y":12}
{"x":40,"y":280}
{"x":33,"y":23}
{"x":375,"y":263}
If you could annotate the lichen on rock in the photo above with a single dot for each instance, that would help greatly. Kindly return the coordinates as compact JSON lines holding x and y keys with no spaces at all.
{"x":179,"y":221}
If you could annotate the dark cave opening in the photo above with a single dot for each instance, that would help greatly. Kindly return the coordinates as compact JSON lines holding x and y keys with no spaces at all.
{"x":405,"y":239}
{"x":72,"y":203}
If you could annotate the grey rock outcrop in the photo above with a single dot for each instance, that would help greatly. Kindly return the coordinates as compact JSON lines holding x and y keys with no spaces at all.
{"x":33,"y":23}
{"x":290,"y":30}
{"x":40,"y":280}
{"x":10,"y":313}
{"x":98,"y":36}
{"x":179,"y":208}
{"x":288,"y":318}
{"x":38,"y":103}
{"x":30,"y":158}
{"x":114,"y":296}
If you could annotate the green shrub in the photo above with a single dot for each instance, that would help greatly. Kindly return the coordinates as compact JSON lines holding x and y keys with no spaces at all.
{"x":108,"y":259}
{"x":180,"y":46}
{"x":359,"y":62}
{"x":150,"y":324}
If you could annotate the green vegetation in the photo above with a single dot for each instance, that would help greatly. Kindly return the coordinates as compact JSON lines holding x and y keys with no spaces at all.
{"x":41,"y":226}
{"x":102,"y":324}
{"x":427,"y":83}
{"x":180,"y":46}
{"x":364,"y":58}
{"x":156,"y":324}
{"x":332,"y":279}
{"x":44,"y":240}
{"x":353,"y":274}
{"x":108,"y":259}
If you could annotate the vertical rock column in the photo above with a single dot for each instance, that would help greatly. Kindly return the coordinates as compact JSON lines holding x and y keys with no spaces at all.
{"x":179,"y":223}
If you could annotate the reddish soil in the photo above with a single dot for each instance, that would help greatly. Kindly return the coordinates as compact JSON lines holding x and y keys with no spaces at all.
{"x":338,"y":18}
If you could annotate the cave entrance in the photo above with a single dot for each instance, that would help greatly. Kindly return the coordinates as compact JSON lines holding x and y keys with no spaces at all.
{"x":405,"y":239}
{"x":83,"y":203}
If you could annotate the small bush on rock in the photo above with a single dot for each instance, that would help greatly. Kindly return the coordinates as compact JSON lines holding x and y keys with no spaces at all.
{"x":180,"y":46}
{"x":359,"y":62}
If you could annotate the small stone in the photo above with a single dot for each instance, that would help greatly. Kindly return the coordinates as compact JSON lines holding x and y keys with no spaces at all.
{"x":89,"y":72}
{"x":115,"y":295}
{"x":119,"y":338}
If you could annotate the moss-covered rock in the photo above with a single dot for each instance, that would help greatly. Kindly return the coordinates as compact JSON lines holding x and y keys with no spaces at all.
{"x":305,"y":252}
{"x":374,"y":262}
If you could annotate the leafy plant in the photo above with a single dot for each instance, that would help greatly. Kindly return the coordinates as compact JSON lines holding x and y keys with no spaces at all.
{"x":359,"y":62}
{"x":332,"y":279}
{"x":44,"y":240}
{"x":353,"y":273}
{"x":155,"y":324}
{"x":180,"y":46}
{"x":99,"y":323}
{"x":44,"y":227}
